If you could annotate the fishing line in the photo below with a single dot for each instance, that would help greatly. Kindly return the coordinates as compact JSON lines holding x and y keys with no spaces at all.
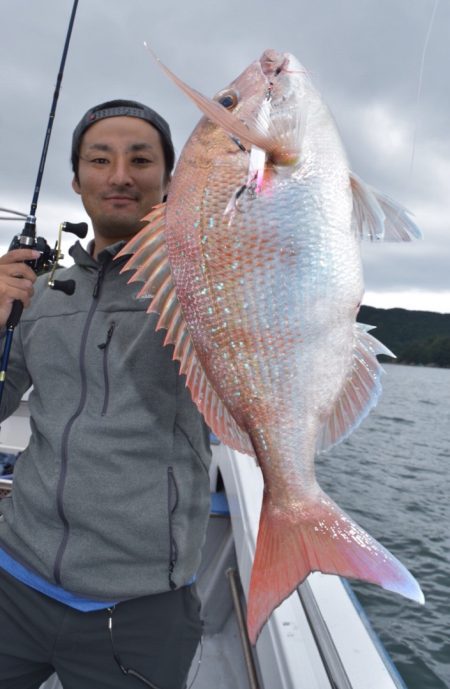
{"x":18,"y":214}
{"x":419,"y":87}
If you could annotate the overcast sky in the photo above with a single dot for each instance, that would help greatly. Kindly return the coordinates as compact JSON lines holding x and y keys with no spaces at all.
{"x":365,"y":56}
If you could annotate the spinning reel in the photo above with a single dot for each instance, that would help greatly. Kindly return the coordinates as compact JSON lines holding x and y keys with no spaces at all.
{"x":46,"y":262}
{"x":49,"y":258}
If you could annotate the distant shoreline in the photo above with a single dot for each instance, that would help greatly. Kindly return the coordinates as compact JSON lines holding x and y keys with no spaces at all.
{"x":417,"y":338}
{"x":395,"y":362}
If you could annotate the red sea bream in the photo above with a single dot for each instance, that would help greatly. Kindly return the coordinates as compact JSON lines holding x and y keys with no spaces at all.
{"x":254,"y":267}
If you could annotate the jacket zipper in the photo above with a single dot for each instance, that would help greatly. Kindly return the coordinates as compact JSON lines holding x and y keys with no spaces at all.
{"x":172,"y":504}
{"x":105,"y":347}
{"x":68,"y":428}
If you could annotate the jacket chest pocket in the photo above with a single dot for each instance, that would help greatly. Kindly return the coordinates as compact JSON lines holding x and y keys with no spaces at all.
{"x":104,"y":348}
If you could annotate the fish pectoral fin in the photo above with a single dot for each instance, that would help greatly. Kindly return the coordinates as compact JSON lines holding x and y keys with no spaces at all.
{"x":318,"y":537}
{"x":148,"y":258}
{"x":361,"y":390}
{"x":378,"y":217}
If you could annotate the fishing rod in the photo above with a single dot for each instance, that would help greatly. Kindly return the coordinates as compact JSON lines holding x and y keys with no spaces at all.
{"x":48,"y":258}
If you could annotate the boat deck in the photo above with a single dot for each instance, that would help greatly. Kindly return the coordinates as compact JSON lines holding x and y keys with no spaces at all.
{"x":319,"y":638}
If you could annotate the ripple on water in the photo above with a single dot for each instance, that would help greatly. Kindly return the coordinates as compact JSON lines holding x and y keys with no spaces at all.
{"x":394,"y":480}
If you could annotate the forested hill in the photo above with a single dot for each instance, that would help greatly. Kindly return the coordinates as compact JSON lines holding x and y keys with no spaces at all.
{"x":415,"y":337}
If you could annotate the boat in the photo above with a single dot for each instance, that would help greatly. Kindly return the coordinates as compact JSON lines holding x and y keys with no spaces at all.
{"x":318,"y":638}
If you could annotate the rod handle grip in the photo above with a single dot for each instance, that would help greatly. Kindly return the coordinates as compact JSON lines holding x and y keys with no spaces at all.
{"x":14,"y":316}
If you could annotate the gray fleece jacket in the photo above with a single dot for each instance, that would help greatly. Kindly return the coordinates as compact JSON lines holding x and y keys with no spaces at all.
{"x":111,"y":497}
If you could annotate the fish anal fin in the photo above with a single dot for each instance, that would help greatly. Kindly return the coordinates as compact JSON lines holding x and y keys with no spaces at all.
{"x":320,"y":537}
{"x":360,"y":392}
{"x":378,"y":217}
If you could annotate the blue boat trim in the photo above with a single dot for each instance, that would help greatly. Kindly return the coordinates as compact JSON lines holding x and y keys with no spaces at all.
{"x":219,"y":504}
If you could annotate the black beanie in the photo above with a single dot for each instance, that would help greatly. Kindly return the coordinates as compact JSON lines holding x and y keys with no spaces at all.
{"x":120,"y":108}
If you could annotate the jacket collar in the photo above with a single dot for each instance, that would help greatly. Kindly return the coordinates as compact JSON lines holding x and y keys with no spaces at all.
{"x":83,"y":257}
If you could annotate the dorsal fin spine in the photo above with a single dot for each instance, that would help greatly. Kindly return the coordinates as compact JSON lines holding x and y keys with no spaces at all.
{"x":163,"y":294}
{"x":174,"y":327}
{"x":179,"y":344}
{"x":187,"y":359}
{"x":151,"y":264}
{"x":168,"y":308}
{"x":159,"y":275}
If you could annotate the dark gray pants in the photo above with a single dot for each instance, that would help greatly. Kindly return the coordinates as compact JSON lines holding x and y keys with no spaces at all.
{"x":155,"y":636}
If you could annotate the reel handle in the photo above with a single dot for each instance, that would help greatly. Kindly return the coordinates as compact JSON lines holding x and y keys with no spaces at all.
{"x":80,"y":229}
{"x":66,"y":286}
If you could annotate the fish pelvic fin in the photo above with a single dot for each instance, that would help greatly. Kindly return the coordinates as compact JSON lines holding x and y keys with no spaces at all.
{"x":360,"y":392}
{"x":378,"y":217}
{"x":148,"y":259}
{"x":318,"y":536}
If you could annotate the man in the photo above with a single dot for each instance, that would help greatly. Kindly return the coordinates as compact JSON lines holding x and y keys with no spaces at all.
{"x":101,"y":538}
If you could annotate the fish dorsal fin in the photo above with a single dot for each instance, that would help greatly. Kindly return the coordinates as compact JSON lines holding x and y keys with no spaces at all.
{"x":150,"y":262}
{"x":360,"y":392}
{"x":378,"y":217}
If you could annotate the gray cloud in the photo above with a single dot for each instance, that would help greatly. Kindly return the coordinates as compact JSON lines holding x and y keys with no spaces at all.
{"x":364,"y":56}
{"x":391,"y":268}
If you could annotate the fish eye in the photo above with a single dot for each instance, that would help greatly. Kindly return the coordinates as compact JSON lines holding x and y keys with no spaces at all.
{"x":229,"y":99}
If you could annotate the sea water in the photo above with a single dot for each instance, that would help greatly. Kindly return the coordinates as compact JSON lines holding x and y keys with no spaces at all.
{"x":393,"y":476}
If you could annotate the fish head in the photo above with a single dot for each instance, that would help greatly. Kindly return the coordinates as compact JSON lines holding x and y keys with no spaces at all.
{"x":265,"y":107}
{"x":233,"y":110}
{"x":271,"y":98}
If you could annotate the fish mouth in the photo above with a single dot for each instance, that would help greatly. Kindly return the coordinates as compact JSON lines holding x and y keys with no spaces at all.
{"x":273,"y":63}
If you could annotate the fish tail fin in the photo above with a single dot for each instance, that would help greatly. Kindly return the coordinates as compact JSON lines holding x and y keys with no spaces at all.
{"x":321,"y":538}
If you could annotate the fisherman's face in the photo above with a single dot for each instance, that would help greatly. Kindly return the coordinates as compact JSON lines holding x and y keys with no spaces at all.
{"x":121,"y":176}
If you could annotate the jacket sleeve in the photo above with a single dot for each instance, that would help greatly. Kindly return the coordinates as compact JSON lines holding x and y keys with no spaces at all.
{"x":17,"y":380}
